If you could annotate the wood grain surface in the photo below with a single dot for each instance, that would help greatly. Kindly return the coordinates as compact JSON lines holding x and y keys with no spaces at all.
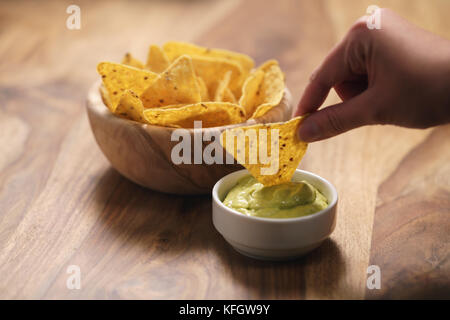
{"x":62,"y":204}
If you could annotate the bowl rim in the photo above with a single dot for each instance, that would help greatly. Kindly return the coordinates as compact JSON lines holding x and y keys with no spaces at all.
{"x":329,"y":185}
{"x":94,"y":98}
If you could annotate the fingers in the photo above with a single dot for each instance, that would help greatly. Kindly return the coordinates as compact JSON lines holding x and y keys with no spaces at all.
{"x":349,"y":89}
{"x":338,"y":118}
{"x":333,"y":70}
{"x":345,"y":63}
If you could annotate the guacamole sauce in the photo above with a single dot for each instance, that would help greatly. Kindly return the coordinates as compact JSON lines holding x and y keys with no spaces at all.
{"x":286,"y":200}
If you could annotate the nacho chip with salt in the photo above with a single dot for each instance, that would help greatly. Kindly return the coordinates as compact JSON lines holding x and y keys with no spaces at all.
{"x":203,"y":89}
{"x":222,"y":87}
{"x":176,"y":85}
{"x":210,"y":69}
{"x":228,"y":96}
{"x":211,"y":114}
{"x":131,"y":61}
{"x":157,"y":60}
{"x":130,"y":107}
{"x":117,"y":78}
{"x":251,"y":90}
{"x":174,"y":49}
{"x":270,"y":152}
{"x":271,"y":89}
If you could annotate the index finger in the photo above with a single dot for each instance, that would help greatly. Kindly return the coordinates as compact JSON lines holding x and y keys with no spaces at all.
{"x":334,"y":70}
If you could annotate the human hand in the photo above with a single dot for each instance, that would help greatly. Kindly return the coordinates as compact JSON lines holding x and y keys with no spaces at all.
{"x":399,"y":74}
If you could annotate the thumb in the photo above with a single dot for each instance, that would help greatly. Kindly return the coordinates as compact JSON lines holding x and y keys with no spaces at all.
{"x":338,"y":118}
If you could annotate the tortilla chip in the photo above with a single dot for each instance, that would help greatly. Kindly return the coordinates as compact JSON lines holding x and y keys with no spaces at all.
{"x":157,"y":60}
{"x":223,"y":92}
{"x":251,"y":92}
{"x":175,"y":49}
{"x":130,"y":107}
{"x":285,"y":148}
{"x":228,"y":96}
{"x":129,"y":60}
{"x":105,"y":97}
{"x":177,"y":84}
{"x":210,"y":69}
{"x":271,"y":88}
{"x":222,"y":87}
{"x":203,"y":89}
{"x":117,"y":78}
{"x":212,"y":114}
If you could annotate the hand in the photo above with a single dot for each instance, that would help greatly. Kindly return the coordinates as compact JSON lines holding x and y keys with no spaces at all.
{"x":398,"y":74}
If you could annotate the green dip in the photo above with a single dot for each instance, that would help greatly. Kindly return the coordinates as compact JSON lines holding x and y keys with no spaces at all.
{"x":286,"y":200}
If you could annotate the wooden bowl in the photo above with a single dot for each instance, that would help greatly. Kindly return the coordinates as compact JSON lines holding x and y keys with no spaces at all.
{"x":142,"y":152}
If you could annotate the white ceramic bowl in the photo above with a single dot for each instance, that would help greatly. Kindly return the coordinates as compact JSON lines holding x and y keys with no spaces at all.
{"x":269,"y":238}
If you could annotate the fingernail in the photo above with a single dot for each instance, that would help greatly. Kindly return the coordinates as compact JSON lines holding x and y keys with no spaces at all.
{"x":309,"y":131}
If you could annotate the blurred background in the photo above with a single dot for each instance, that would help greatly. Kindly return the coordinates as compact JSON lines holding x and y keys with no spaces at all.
{"x":38,"y":50}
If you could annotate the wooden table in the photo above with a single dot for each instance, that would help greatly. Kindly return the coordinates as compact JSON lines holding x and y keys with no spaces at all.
{"x":62,"y":204}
